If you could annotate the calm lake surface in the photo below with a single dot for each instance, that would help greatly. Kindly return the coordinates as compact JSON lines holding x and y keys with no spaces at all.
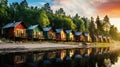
{"x":117,"y":64}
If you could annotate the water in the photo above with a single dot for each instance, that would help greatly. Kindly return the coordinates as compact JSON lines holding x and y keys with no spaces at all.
{"x":117,"y":64}
{"x":96,"y":58}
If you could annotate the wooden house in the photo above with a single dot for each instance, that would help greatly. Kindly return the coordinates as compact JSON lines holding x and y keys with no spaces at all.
{"x":87,"y":37}
{"x":100,"y":39}
{"x":94,"y":38}
{"x":14,"y":30}
{"x":49,"y":33}
{"x":69,"y":35}
{"x":60,"y":35}
{"x":108,"y":39}
{"x":104,"y":39}
{"x":79,"y":36}
{"x":34,"y":32}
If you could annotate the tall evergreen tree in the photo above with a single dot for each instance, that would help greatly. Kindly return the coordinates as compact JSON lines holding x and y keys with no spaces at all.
{"x":86,"y":24}
{"x":106,"y":23}
{"x":47,"y":8}
{"x":60,"y":12}
{"x":79,"y":23}
{"x":3,"y":12}
{"x":24,"y":3}
{"x":99,"y":25}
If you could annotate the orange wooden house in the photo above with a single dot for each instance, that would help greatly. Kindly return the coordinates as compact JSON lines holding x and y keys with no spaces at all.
{"x":49,"y":33}
{"x":14,"y":30}
{"x":60,"y":35}
{"x":100,"y":38}
{"x":79,"y":36}
{"x":87,"y":37}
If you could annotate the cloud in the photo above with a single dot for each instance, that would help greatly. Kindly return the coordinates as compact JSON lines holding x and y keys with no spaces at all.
{"x":82,"y":7}
{"x":88,"y":7}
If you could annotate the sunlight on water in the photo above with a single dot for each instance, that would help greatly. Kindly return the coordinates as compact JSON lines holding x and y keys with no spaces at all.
{"x":117,"y":64}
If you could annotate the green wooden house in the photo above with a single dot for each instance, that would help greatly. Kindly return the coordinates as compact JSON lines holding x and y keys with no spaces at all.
{"x":69,"y":35}
{"x":34,"y":32}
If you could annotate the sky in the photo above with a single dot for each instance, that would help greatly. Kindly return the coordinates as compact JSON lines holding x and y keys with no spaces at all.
{"x":85,"y":8}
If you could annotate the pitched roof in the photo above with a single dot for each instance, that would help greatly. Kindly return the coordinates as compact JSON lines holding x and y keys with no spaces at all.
{"x":86,"y":34}
{"x":13,"y":24}
{"x":100,"y":36}
{"x":68,"y":31}
{"x":47,"y":28}
{"x":32,"y":27}
{"x":78,"y":33}
{"x":104,"y":37}
{"x":58,"y":30}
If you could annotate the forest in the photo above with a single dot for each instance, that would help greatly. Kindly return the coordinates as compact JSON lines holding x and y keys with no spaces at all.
{"x":45,"y":17}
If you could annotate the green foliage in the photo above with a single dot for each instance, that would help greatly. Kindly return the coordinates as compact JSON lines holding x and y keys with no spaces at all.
{"x":60,"y":12}
{"x":86,"y":23}
{"x":3,"y":12}
{"x":43,"y":20}
{"x":92,"y":27}
{"x":99,"y":26}
{"x":79,"y":23}
{"x":63,"y":22}
{"x":114,"y":33}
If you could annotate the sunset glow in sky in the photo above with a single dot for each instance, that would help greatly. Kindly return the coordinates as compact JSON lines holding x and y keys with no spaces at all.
{"x":86,"y":8}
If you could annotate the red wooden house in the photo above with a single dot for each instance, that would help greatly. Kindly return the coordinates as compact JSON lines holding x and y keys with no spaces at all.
{"x":60,"y":35}
{"x":79,"y":36}
{"x":14,"y":30}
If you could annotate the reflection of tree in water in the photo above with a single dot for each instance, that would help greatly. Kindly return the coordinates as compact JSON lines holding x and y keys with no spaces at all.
{"x":114,"y":56}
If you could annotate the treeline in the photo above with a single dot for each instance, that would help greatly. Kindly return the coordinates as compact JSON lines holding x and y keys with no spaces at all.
{"x":46,"y":17}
